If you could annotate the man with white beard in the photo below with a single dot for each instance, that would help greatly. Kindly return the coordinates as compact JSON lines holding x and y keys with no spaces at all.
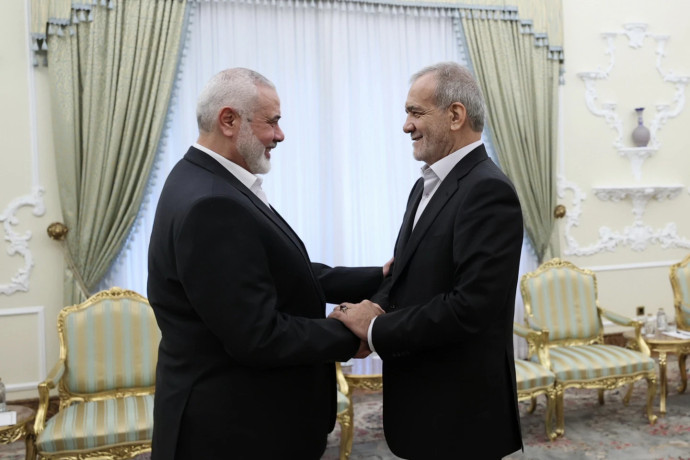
{"x":245,"y":364}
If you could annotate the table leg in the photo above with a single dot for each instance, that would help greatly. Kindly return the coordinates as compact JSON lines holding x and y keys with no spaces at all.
{"x":683,"y":373}
{"x":662,"y":376}
{"x":30,"y":441}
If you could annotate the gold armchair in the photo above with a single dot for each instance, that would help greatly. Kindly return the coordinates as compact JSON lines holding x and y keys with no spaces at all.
{"x":345,"y":413}
{"x":680,"y":283}
{"x":105,"y":379}
{"x":534,"y":380}
{"x":561,"y":302}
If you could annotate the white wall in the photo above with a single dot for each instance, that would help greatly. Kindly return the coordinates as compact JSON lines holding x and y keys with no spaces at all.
{"x":627,"y":277}
{"x":636,"y":272}
{"x":28,"y":341}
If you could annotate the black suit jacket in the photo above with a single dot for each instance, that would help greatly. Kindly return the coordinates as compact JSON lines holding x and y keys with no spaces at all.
{"x":245,"y":364}
{"x":446,"y":339}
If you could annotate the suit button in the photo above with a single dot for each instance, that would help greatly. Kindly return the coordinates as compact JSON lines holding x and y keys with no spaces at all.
{"x":392,"y":307}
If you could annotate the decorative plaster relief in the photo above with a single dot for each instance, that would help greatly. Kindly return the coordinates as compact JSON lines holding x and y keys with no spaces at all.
{"x":637,"y":155}
{"x":19,"y":244}
{"x":637,"y":35}
{"x":637,"y":236}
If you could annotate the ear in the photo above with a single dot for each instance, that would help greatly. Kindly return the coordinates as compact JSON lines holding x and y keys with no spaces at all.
{"x":229,"y":121}
{"x":458,"y":115}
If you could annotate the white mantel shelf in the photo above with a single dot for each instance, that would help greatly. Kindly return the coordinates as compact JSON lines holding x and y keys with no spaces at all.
{"x":639,"y":195}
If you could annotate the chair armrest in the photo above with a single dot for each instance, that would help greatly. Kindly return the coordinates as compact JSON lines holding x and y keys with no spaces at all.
{"x":532,"y":323}
{"x":622,"y":320}
{"x":685,"y":308}
{"x":340,"y":379}
{"x":44,"y":388}
{"x":536,"y":340}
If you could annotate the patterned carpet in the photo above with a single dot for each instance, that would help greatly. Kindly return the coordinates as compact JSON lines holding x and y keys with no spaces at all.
{"x":609,"y":432}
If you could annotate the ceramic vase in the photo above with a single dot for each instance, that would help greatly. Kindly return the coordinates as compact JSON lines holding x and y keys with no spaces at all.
{"x":640,"y":134}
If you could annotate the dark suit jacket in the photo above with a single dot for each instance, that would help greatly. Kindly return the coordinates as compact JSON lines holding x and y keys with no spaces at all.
{"x":245,"y":364}
{"x":446,"y":339}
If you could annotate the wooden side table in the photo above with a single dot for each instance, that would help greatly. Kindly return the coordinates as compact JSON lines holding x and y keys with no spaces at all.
{"x":364,"y":373}
{"x":663,"y":344}
{"x":22,"y":429}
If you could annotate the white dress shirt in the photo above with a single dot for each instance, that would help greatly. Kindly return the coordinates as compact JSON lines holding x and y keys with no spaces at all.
{"x":249,"y":180}
{"x":433,"y":176}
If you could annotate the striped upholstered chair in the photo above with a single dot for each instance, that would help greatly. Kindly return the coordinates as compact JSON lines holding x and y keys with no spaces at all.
{"x":561,"y":301}
{"x":534,"y":380}
{"x":345,"y":414}
{"x":105,"y":379}
{"x":680,"y":282}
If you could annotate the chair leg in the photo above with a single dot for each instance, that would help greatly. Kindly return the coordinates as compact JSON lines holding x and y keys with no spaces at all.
{"x":550,"y":415}
{"x":601,"y":396}
{"x":628,"y":394}
{"x":683,"y":373}
{"x":346,"y":420}
{"x":30,"y":442}
{"x":532,"y":404}
{"x":560,"y":416}
{"x":651,"y":391}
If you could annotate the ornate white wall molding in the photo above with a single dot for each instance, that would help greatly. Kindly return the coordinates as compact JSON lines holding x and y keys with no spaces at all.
{"x":637,"y":155}
{"x":637,"y":35}
{"x":637,"y":236}
{"x":18,"y":243}
{"x":39,"y":313}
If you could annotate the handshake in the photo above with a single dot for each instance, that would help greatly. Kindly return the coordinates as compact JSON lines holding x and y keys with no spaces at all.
{"x":357,"y":317}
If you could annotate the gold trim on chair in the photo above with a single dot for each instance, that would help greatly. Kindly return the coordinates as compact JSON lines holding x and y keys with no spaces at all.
{"x":546,"y":385}
{"x":561,"y":303}
{"x":681,"y":292}
{"x":105,"y":377}
{"x":346,"y":417}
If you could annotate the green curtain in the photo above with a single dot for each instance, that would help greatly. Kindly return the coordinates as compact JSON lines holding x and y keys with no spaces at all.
{"x":112,"y":68}
{"x":519,"y":75}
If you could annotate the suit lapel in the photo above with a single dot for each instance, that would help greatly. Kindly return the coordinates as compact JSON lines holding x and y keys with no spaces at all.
{"x":408,"y":219}
{"x":205,"y":161}
{"x":446,"y":190}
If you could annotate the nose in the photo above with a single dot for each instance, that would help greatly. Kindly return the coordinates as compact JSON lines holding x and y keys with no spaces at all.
{"x":278,"y":134}
{"x":408,"y":127}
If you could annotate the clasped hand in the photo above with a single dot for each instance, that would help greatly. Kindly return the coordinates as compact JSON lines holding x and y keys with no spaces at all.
{"x":357,"y":318}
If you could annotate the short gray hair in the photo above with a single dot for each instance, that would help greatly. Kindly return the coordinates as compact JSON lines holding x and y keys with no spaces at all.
{"x":455,"y":83}
{"x":236,"y":88}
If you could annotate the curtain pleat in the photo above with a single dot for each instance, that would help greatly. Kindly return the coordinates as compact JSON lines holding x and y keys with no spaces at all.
{"x":111,"y":68}
{"x":520,"y":82}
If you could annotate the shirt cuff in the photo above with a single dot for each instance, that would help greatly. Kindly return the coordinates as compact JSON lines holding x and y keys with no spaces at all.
{"x":371,"y":343}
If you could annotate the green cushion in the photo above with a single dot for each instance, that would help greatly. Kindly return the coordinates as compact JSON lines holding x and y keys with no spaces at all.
{"x":343,"y":402}
{"x":95,"y":424}
{"x":532,"y":376}
{"x":593,"y":362}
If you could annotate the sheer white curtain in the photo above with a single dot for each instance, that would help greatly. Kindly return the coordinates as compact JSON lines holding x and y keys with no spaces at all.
{"x":342,"y":176}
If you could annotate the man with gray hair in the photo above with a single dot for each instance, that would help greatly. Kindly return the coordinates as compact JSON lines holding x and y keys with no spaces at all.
{"x":245,"y":364}
{"x":446,"y":336}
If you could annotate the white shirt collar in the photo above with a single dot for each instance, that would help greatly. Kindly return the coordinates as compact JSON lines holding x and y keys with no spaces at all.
{"x":444,"y":166}
{"x":248,"y":179}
